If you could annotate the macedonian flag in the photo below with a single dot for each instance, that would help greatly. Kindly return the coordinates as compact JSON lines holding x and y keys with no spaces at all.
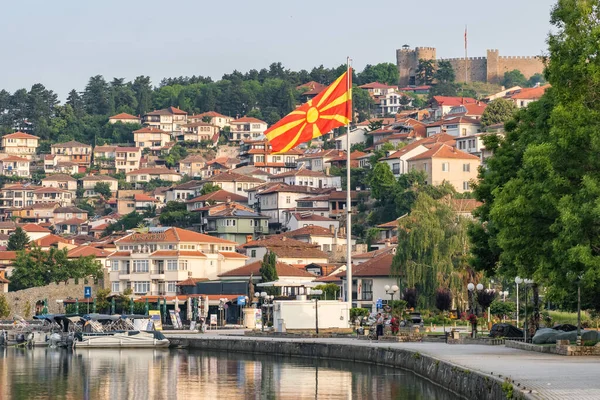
{"x":330,"y":109}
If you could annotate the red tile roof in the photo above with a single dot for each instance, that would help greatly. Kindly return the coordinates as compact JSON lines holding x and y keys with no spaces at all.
{"x":153,"y":171}
{"x":453,"y":101}
{"x":231,"y":254}
{"x":191,"y":281}
{"x":15,"y":158}
{"x":232,"y":177}
{"x":59,"y":178}
{"x":143,"y":197}
{"x":123,"y":116}
{"x":34,"y":228}
{"x":173,"y":235}
{"x":219,"y":196}
{"x":245,"y":120}
{"x":86,"y":251}
{"x":212,"y":114}
{"x":530,"y":93}
{"x":8,"y":255}
{"x":377,"y":85}
{"x":168,"y":110}
{"x":283,"y":270}
{"x":20,"y":135}
{"x":442,"y":150}
{"x":49,"y":240}
{"x":148,"y":129}
{"x":311,"y":217}
{"x":178,"y":253}
{"x":300,"y":172}
{"x":287,"y":248}
{"x":380,"y":265}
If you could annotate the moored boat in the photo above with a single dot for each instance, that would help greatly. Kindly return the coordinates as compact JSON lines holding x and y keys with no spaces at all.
{"x":124,"y":339}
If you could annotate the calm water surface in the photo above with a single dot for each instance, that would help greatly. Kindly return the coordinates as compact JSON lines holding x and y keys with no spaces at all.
{"x":180,"y":374}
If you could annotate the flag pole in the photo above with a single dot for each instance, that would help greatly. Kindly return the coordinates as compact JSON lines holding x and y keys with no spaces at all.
{"x":466,"y":58}
{"x":348,"y":201}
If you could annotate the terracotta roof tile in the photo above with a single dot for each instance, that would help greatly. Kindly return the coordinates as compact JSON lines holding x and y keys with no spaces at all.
{"x":34,"y":228}
{"x":124,"y":116}
{"x":245,"y":120}
{"x":177,"y":253}
{"x":20,"y":135}
{"x":283,"y":270}
{"x":173,"y":235}
{"x":442,"y":150}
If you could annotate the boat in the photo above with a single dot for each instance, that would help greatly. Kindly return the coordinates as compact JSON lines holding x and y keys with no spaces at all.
{"x":123,"y":339}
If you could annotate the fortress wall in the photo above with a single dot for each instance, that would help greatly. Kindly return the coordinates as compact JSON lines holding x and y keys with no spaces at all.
{"x":529,"y":66}
{"x":477,"y":68}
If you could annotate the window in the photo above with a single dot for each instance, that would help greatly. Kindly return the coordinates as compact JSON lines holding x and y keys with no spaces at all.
{"x":445,"y":167}
{"x":115,"y":267}
{"x":115,"y":287}
{"x":466,"y":167}
{"x":171,"y":265}
{"x":425,"y":167}
{"x":183,"y":264}
{"x":461,"y":145}
{"x":171,"y":286}
{"x":253,"y":254}
{"x":367,"y":289}
{"x":141,"y":287}
{"x":288,"y":200}
{"x":466,"y":186}
{"x":140,"y":266}
{"x":396,"y":168}
{"x":464,"y":131}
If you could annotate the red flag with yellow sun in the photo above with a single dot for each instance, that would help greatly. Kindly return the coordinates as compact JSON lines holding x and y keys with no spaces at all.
{"x":330,"y":109}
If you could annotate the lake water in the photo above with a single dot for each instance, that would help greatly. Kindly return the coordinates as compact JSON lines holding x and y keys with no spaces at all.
{"x":44,"y":373}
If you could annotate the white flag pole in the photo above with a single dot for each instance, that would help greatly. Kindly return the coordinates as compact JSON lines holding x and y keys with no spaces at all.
{"x":348,"y":201}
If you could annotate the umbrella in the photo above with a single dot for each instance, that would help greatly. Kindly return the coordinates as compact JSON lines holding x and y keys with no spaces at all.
{"x":189,"y":308}
{"x":94,"y":306}
{"x":112,"y":305}
{"x":45,"y":309}
{"x":146,"y":307}
{"x":131,"y":305}
{"x":77,"y":306}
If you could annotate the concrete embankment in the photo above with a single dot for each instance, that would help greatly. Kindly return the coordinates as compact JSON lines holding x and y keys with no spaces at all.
{"x":464,"y":382}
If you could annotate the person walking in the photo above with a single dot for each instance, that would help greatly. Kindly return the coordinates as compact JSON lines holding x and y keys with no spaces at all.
{"x":379,"y":325}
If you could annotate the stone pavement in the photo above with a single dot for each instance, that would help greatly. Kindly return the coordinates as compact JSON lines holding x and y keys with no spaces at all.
{"x":547,"y":376}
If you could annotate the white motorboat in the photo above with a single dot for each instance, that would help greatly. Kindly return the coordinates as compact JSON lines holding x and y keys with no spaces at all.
{"x":124,"y":339}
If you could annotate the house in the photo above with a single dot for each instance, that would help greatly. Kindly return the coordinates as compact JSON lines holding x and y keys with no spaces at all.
{"x":7,"y":227}
{"x":123,"y":203}
{"x":286,"y":250}
{"x":100,"y":255}
{"x":213,"y":118}
{"x":468,"y":110}
{"x":456,"y":126}
{"x":279,"y":201}
{"x":192,"y":165}
{"x":387,"y":99}
{"x":124,"y":118}
{"x":73,"y":226}
{"x":441,"y":105}
{"x":14,"y":166}
{"x":52,"y":195}
{"x":338,"y":200}
{"x":218,"y":165}
{"x":217,"y":197}
{"x":127,"y":159}
{"x":36,"y":213}
{"x":523,"y":97}
{"x":463,"y":207}
{"x":75,"y":152}
{"x":143,"y":202}
{"x":443,"y":163}
{"x":387,"y":235}
{"x":318,"y":161}
{"x":259,"y":154}
{"x":61,"y":214}
{"x":341,"y":160}
{"x":89,"y":183}
{"x":357,"y":135}
{"x":285,"y":273}
{"x":250,"y":170}
{"x":7,"y":259}
{"x":20,"y":144}
{"x":16,"y":196}
{"x":145,"y":175}
{"x":473,"y":144}
{"x":330,"y":240}
{"x":199,"y":132}
{"x":151,"y":138}
{"x":402,"y":131}
{"x":307,"y":177}
{"x":247,"y":128}
{"x":232,"y":182}
{"x":61,"y":181}
{"x":52,"y":165}
{"x":233,"y":221}
{"x":182,"y":192}
{"x":170,"y":120}
{"x":398,"y":160}
{"x":3,"y":282}
{"x":153,"y":262}
{"x":35,"y":232}
{"x":304,"y":219}
{"x":309,"y":90}
{"x":370,"y":278}
{"x":50,"y":241}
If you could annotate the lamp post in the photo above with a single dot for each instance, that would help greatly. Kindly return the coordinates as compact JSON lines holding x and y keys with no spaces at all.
{"x":391,"y":290}
{"x":470,"y":288}
{"x":579,"y":310}
{"x":264,"y":297}
{"x":316,"y":292}
{"x":518,"y":281}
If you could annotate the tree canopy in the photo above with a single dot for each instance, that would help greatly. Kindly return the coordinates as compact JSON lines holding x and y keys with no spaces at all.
{"x":498,"y":111}
{"x":18,"y":240}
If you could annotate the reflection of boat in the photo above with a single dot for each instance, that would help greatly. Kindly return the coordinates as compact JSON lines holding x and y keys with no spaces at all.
{"x":124,"y":339}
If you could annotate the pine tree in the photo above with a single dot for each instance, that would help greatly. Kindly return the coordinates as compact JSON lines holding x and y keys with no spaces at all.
{"x":18,"y":240}
{"x":268,"y":271}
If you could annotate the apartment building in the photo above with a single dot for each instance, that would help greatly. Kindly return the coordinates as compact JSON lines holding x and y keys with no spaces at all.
{"x":213,"y":118}
{"x":89,"y":183}
{"x":199,"y":132}
{"x":15,"y":166}
{"x":116,"y":159}
{"x":145,"y":175}
{"x":170,"y":119}
{"x":35,"y":214}
{"x":151,"y":138}
{"x":233,"y":221}
{"x":152,"y":263}
{"x":53,"y":165}
{"x":192,"y":165}
{"x":307,"y":177}
{"x":20,"y":143}
{"x":61,"y":181}
{"x":247,"y":128}
{"x":75,"y":152}
{"x":259,"y":154}
{"x":234,"y":183}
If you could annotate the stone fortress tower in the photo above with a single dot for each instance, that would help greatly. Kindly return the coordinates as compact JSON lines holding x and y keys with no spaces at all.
{"x":489,"y":69}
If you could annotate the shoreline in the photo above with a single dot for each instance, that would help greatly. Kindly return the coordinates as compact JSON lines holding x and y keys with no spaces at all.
{"x":453,"y":377}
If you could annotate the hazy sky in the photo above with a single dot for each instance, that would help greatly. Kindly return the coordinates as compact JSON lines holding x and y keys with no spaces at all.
{"x":62,"y":43}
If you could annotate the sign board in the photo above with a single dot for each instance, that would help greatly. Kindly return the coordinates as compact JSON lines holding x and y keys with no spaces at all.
{"x":174,"y":320}
{"x":87,"y":292}
{"x":379,"y":304}
{"x":155,"y":317}
{"x":213,"y":319}
{"x":258,"y":318}
{"x":241,"y":300}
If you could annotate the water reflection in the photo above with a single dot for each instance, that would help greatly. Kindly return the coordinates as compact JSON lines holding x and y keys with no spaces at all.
{"x":178,"y":374}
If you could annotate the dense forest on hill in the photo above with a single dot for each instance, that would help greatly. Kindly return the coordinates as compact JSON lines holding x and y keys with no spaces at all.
{"x":267,"y":94}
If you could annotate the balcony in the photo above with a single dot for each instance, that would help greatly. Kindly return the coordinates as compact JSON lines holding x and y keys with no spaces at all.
{"x":158,"y":293}
{"x":291,"y":165}
{"x":157,"y":274}
{"x":260,"y":229}
{"x":124,"y":275}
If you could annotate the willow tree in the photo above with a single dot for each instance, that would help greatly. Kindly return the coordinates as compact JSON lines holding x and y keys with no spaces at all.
{"x":432,"y":250}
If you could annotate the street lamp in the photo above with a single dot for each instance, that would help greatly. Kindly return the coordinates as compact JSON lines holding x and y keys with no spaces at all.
{"x":504,"y":293}
{"x":518,"y":281}
{"x":391,"y":290}
{"x":316,"y":292}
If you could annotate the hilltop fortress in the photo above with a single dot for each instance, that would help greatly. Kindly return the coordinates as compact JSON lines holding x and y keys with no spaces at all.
{"x":489,"y":69}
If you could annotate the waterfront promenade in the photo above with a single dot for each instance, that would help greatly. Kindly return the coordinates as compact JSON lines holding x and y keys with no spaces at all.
{"x":547,"y":376}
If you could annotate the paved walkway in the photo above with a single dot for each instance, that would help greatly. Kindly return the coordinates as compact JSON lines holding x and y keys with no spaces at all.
{"x":548,"y":376}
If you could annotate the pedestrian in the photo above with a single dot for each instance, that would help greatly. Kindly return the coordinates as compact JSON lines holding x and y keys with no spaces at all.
{"x":379,"y":325}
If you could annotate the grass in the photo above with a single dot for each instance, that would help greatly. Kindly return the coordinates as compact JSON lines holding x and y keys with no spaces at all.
{"x":564,"y":317}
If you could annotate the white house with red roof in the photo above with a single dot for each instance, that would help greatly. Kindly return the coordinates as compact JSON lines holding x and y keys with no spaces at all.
{"x":455,"y":126}
{"x":441,"y":105}
{"x":305,"y":219}
{"x":247,"y":128}
{"x":468,"y":110}
{"x":307,"y":177}
{"x":216,"y":118}
{"x":153,"y":262}
{"x":151,"y":137}
{"x":170,"y":119}
{"x":145,"y":175}
{"x":20,"y":143}
{"x":35,"y":231}
{"x":231,"y":182}
{"x":124,"y":118}
{"x":15,"y":166}
{"x":444,"y":163}
{"x":522,"y":97}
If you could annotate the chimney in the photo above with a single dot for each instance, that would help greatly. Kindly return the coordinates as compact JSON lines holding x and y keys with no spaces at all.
{"x":228,"y":199}
{"x":387,"y":242}
{"x":248,"y":238}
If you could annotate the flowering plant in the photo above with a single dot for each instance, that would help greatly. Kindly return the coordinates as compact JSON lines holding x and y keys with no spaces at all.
{"x":473,"y":319}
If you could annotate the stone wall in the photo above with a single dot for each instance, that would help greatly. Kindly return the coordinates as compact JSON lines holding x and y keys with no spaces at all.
{"x":477,"y":71}
{"x":464,"y":382}
{"x":18,"y":300}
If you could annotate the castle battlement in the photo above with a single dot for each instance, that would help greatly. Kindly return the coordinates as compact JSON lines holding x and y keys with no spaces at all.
{"x":520,"y":58}
{"x":425,"y":48}
{"x":462,"y":59}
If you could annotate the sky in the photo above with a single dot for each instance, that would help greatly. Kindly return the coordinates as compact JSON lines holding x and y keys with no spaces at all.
{"x":62,"y":43}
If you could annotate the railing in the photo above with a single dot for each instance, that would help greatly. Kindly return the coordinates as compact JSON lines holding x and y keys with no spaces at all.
{"x":367,"y":296}
{"x":158,"y":293}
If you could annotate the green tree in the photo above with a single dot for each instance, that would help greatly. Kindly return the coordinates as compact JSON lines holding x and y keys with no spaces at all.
{"x":128,"y":221}
{"x":209,"y":187}
{"x":362,"y":103}
{"x":536,"y":79}
{"x":103,"y":189}
{"x":445,"y":72}
{"x":498,"y":111}
{"x":96,"y":96}
{"x":426,"y":71}
{"x":382,"y":180}
{"x":18,"y":240}
{"x":331,"y":291}
{"x":268,"y":270}
{"x":4,"y":307}
{"x":514,"y":78}
{"x":384,"y":73}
